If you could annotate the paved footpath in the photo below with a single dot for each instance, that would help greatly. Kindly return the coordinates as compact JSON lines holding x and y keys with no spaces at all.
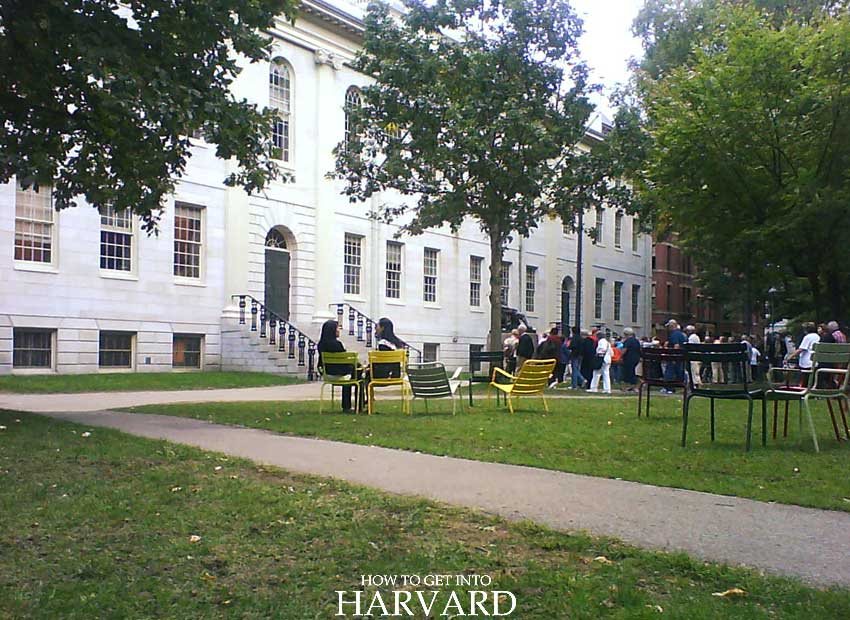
{"x":94,"y":401}
{"x":813,"y":545}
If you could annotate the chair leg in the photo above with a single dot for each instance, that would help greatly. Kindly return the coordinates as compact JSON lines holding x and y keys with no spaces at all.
{"x":321,"y":398}
{"x":712,"y":419}
{"x":842,"y":401}
{"x":763,"y":422}
{"x":510,"y":400}
{"x":648,"y":392}
{"x":749,"y":423}
{"x":685,"y":420}
{"x":640,"y":397}
{"x":545,"y":404}
{"x":811,"y":423}
{"x":785,"y":427}
{"x":371,"y":395}
{"x":832,"y":417}
{"x":775,"y":416}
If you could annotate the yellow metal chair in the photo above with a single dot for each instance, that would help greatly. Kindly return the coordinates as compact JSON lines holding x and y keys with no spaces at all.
{"x":533,"y":378}
{"x":386,"y":369}
{"x":353,"y":378}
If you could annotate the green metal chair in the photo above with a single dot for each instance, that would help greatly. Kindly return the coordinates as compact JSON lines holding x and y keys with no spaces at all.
{"x":430,"y":380}
{"x":828,"y":360}
{"x":340,"y":361}
{"x":734,"y":354}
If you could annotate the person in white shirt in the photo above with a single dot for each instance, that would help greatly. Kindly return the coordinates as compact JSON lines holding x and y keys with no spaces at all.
{"x":804,"y":351}
{"x":693,"y":338}
{"x":603,"y":350}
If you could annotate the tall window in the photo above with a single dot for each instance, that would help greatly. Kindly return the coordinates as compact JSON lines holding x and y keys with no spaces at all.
{"x":116,"y":350}
{"x":530,"y":287}
{"x":669,"y":258}
{"x":669,"y":292}
{"x":280,"y":99}
{"x":618,"y":300}
{"x":505,"y":277}
{"x":597,"y":306}
{"x":352,"y":100}
{"x":32,"y":348}
{"x":116,"y":239}
{"x":352,"y":258}
{"x":475,"y":263}
{"x":635,"y":302}
{"x":431,"y":268}
{"x":635,"y":235}
{"x":34,"y":222}
{"x":600,"y":221}
{"x":618,"y":230}
{"x":188,"y":240}
{"x":394,"y":270}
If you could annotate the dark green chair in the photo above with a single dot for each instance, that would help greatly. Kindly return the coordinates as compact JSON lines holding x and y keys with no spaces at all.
{"x":736,"y":356}
{"x":430,"y":380}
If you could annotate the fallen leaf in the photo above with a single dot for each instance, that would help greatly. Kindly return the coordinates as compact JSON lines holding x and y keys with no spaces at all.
{"x":730,"y":592}
{"x":602,"y":559}
{"x":194,"y":538}
{"x":218,"y":468}
{"x":175,"y":489}
{"x":657,"y":608}
{"x":2,"y":428}
{"x":86,"y":434}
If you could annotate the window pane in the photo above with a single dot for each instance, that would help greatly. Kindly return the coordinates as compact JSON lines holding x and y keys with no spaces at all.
{"x":475,"y":280}
{"x":32,"y":348}
{"x":618,"y":298}
{"x":430,"y":271}
{"x":351,"y":258}
{"x":505,"y":290}
{"x":530,"y":287}
{"x":635,"y":302}
{"x":187,"y":241}
{"x":393,"y":270}
{"x":116,"y":349}
{"x":186,"y":351}
{"x":598,"y":298}
{"x":34,"y":221}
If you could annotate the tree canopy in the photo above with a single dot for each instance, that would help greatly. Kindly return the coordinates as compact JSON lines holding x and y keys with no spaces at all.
{"x":748,"y":154}
{"x":98,"y":97}
{"x":475,"y":111}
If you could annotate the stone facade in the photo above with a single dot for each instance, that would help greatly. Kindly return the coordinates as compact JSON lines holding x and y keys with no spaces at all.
{"x":76,"y":300}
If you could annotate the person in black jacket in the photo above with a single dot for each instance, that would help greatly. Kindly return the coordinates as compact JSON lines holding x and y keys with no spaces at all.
{"x":329,"y":343}
{"x":631,"y":357}
{"x":525,"y":347}
{"x":576,"y":355}
{"x":588,"y":353}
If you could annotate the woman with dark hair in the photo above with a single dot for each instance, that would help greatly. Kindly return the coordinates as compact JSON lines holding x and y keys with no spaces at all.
{"x":386,"y":340}
{"x":329,"y":343}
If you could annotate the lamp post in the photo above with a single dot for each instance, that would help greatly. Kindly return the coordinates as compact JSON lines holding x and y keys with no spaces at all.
{"x":771,"y":293}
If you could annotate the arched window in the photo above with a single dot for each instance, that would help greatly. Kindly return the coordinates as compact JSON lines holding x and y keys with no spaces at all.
{"x":352,"y":100}
{"x":280,"y":99}
{"x":275,"y":239}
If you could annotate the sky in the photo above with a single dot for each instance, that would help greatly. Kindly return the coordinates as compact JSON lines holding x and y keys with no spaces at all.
{"x":607,"y":43}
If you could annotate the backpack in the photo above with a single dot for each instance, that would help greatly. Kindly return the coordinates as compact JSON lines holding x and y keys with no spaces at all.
{"x":616,"y":355}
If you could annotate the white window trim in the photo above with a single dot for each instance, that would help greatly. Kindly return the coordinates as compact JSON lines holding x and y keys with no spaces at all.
{"x":437,"y":297}
{"x":201,"y":280}
{"x":118,"y":369}
{"x":618,"y":246}
{"x":400,"y":299}
{"x":528,"y":269}
{"x":286,"y":164}
{"x":200,"y":366}
{"x":27,"y":265}
{"x":42,"y":370}
{"x":360,"y":296}
{"x":118,"y":274}
{"x":480,"y":306}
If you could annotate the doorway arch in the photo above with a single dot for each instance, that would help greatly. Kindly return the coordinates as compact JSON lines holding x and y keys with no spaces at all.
{"x":279,"y":244}
{"x":567,"y":286}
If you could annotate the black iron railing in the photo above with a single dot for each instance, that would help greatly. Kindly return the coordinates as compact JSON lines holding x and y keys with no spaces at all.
{"x":363,"y":327}
{"x":279,"y":331}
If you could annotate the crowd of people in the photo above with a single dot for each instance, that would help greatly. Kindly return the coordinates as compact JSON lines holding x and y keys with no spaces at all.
{"x":585,"y":359}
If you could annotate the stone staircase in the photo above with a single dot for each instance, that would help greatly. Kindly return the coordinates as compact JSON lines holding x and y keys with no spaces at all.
{"x":255,"y":350}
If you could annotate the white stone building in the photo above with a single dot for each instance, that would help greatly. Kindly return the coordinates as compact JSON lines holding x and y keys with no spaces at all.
{"x":89,"y":292}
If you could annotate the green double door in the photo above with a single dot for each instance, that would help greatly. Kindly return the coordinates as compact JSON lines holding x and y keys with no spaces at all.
{"x":277,"y":282}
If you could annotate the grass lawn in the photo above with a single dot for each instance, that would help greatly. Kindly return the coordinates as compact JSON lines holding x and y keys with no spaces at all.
{"x":100,"y":526}
{"x":140,"y":381}
{"x":601,"y":437}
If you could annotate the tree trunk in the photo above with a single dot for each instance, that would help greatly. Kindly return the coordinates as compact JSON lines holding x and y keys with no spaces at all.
{"x":494,"y":340}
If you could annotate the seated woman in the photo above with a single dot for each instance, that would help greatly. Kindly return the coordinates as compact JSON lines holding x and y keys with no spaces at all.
{"x":329,"y":343}
{"x":387,"y":341}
